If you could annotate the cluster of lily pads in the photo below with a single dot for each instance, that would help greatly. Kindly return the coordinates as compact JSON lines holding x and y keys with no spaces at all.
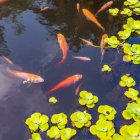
{"x":130,"y":28}
{"x":39,"y":122}
{"x":130,"y":7}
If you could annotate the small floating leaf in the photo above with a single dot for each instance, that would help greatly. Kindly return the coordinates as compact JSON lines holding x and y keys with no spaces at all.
{"x":106,"y":68}
{"x":114,"y":11}
{"x":53,"y":132}
{"x":53,"y":100}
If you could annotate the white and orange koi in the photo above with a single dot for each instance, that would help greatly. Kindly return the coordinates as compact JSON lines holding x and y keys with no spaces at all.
{"x":86,"y":41}
{"x":27,"y":77}
{"x":92,"y":18}
{"x":63,"y":45}
{"x":66,"y":82}
{"x":102,"y":44}
{"x":82,"y":58}
{"x":106,"y":5}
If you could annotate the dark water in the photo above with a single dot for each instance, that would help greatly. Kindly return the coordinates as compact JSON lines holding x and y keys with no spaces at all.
{"x":28,"y":38}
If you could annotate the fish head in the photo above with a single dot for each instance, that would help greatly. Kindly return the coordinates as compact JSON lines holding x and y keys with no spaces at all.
{"x":104,"y":36}
{"x":38,"y":79}
{"x":79,"y":77}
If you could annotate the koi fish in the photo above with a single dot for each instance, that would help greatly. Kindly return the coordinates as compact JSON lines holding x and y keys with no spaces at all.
{"x":66,"y":82}
{"x":27,"y":77}
{"x":86,"y":41}
{"x":92,"y":18}
{"x":44,"y":9}
{"x":106,"y":5}
{"x":78,"y":89}
{"x":102,"y":44}
{"x":63,"y":45}
{"x":82,"y":58}
{"x":78,"y":7}
{"x":7,"y":60}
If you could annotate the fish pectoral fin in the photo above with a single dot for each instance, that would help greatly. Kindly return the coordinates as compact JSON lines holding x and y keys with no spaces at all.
{"x":26,"y":81}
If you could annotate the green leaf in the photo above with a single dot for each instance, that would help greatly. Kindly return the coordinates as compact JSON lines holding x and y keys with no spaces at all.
{"x":112,"y":41}
{"x":124,"y":34}
{"x":114,"y":11}
{"x":106,"y":68}
{"x":36,"y":136}
{"x":53,"y":132}
{"x":53,"y":100}
{"x":126,"y":11}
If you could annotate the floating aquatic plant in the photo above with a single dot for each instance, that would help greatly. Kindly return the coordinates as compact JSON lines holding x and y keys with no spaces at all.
{"x":131,"y":3}
{"x":118,"y":137}
{"x":112,"y":41}
{"x":126,"y":12}
{"x":37,"y":122}
{"x":127,"y":81}
{"x":132,"y":94}
{"x":114,"y":11}
{"x":138,"y":100}
{"x":132,"y":53}
{"x":106,"y":68}
{"x":60,"y":120}
{"x":132,"y":111}
{"x":136,"y":11}
{"x":129,"y":132}
{"x":102,"y":129}
{"x":124,"y":34}
{"x":53,"y":100}
{"x":36,"y":136}
{"x":80,"y":119}
{"x":67,"y":133}
{"x":87,"y":99}
{"x":133,"y":25}
{"x":107,"y":112}
{"x":53,"y":132}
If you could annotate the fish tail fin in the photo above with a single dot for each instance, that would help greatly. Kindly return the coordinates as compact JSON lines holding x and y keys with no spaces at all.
{"x":61,"y":62}
{"x":103,"y":28}
{"x":101,"y":60}
{"x":48,"y":92}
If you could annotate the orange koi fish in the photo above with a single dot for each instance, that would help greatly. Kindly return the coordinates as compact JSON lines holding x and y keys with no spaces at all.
{"x":63,"y":45}
{"x":106,"y":5}
{"x":27,"y":77}
{"x":44,"y":9}
{"x":82,"y":58}
{"x":102,"y":44}
{"x":92,"y":18}
{"x":66,"y":82}
{"x":86,"y":41}
{"x":78,"y":7}
{"x":7,"y":60}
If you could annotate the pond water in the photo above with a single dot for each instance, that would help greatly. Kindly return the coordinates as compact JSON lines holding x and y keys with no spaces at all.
{"x":29,"y":39}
